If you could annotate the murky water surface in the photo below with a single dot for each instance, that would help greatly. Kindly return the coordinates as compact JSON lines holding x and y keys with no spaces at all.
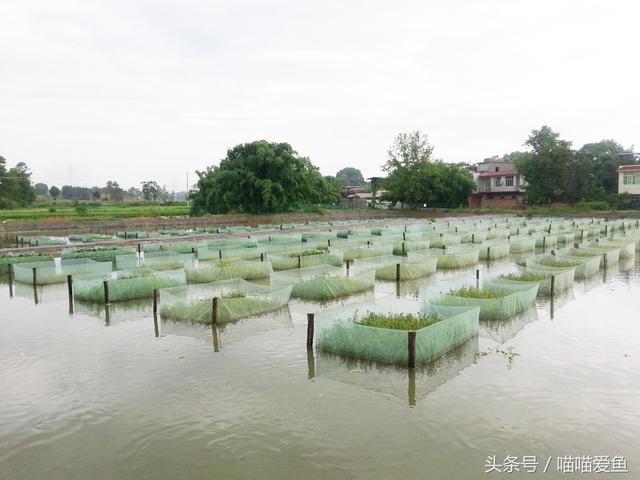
{"x":82,"y":398}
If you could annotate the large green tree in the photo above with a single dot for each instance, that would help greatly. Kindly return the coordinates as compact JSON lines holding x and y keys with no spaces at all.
{"x":547,"y":167}
{"x":15,"y":184}
{"x":260,"y":177}
{"x":350,"y":176}
{"x":415,"y":178}
{"x":597,"y":168}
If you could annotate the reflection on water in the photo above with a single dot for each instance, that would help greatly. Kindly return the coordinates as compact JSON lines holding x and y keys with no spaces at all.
{"x":501,"y":331}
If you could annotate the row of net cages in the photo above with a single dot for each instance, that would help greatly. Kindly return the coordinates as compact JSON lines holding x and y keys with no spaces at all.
{"x":155,"y":260}
{"x":395,"y":331}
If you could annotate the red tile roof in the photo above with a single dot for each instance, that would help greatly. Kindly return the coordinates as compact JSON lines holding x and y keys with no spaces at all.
{"x":628,"y":167}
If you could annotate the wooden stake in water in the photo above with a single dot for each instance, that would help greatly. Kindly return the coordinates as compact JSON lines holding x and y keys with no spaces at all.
{"x":70,"y":292}
{"x":139,"y":249}
{"x":262,"y":256}
{"x":214,"y":324}
{"x":477,"y":278}
{"x":348,"y":265}
{"x":310,"y":328}
{"x":299,"y":262}
{"x":411,"y":349}
{"x":553,"y":285}
{"x":397,"y":272}
{"x":105,"y":285}
{"x":155,"y":312}
{"x":35,"y":275}
{"x":10,"y":274}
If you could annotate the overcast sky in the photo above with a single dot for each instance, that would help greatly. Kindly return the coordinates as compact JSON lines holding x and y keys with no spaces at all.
{"x":152,"y":89}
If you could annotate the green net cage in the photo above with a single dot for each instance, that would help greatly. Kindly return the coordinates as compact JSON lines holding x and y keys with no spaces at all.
{"x":125,"y":285}
{"x":521,"y":244}
{"x":608,"y":255}
{"x":355,"y":252}
{"x":50,"y":272}
{"x":218,"y":270}
{"x":155,"y":260}
{"x":324,"y":282}
{"x":439,"y":240}
{"x":40,"y":241}
{"x":546,"y":241}
{"x":11,"y":259}
{"x":627,"y":248}
{"x":236,"y":253}
{"x":280,"y":239}
{"x":305,"y":258}
{"x":563,"y":276}
{"x":403,"y":247}
{"x":493,"y":250}
{"x":338,"y":331}
{"x":451,"y":258}
{"x":98,"y":254}
{"x":181,"y":247}
{"x":134,"y":234}
{"x":473,"y":236}
{"x":88,"y":237}
{"x":586,"y":267}
{"x":496,"y":300}
{"x":395,"y":268}
{"x":235,"y":299}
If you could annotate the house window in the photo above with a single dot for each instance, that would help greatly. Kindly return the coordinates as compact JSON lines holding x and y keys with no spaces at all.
{"x":497,"y":169}
{"x":631,"y":178}
{"x":508,"y":181}
{"x":497,"y":182}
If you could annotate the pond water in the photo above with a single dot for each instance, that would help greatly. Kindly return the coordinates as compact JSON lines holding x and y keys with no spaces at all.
{"x":83,"y":397}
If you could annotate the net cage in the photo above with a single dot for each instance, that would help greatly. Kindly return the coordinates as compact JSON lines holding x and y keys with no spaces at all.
{"x":297,"y":238}
{"x":520,"y":244}
{"x":174,"y":233}
{"x":563,"y":276}
{"x":586,"y":267}
{"x":88,"y":237}
{"x":452,"y":258}
{"x":12,"y":259}
{"x":546,"y":241}
{"x":401,"y":248}
{"x":440,"y":240}
{"x":225,"y":269}
{"x":627,"y":248}
{"x":395,"y":268}
{"x":355,"y":252}
{"x":124,"y":285}
{"x":98,"y":254}
{"x":498,"y":233}
{"x":565,"y":238}
{"x":473,"y":236}
{"x":51,"y":272}
{"x":338,"y":331}
{"x":155,"y":260}
{"x":182,"y":247}
{"x":134,"y":234}
{"x":324,"y":282}
{"x":236,"y":299}
{"x":231,"y":243}
{"x":496,"y":300}
{"x":493,"y":250}
{"x":608,"y":255}
{"x":318,"y":236}
{"x":39,"y":241}
{"x":525,"y":276}
{"x":235,"y":253}
{"x":305,"y":258}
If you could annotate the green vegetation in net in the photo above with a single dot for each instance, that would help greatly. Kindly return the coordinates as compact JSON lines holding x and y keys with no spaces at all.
{"x":6,"y":260}
{"x":42,"y":241}
{"x":132,"y":235}
{"x":125,"y":285}
{"x":98,"y":254}
{"x":471,"y":292}
{"x":523,"y":277}
{"x":88,"y":238}
{"x":236,"y":299}
{"x":397,"y":321}
{"x":552,"y":262}
{"x":307,"y":258}
{"x":155,"y":260}
{"x":323,"y":282}
{"x":451,"y":258}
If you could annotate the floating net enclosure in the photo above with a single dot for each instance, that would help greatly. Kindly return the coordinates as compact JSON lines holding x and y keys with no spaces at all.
{"x":611,"y":254}
{"x":305,"y":258}
{"x":438,"y":240}
{"x":452,"y":257}
{"x":585,"y":266}
{"x":324,"y":282}
{"x":563,"y":276}
{"x":496,"y":301}
{"x":493,"y":250}
{"x":547,"y":241}
{"x":473,"y":236}
{"x":627,"y":248}
{"x":394,"y":268}
{"x":155,"y":260}
{"x":219,"y":270}
{"x":237,"y":253}
{"x":340,"y":331}
{"x":364,"y":251}
{"x":42,"y":241}
{"x":88,"y":238}
{"x":280,"y":239}
{"x":236,"y":299}
{"x":182,"y":247}
{"x":125,"y":285}
{"x":98,"y":254}
{"x":522,"y":244}
{"x":48,"y":272}
{"x":134,"y":234}
{"x":12,"y":259}
{"x":403,"y":247}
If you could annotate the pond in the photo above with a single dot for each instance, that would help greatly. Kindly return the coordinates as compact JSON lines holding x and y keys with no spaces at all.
{"x":86,"y":397}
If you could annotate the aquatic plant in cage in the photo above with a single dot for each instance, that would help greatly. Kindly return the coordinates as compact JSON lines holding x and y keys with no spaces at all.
{"x":612,"y":254}
{"x":563,"y":276}
{"x":585,"y":266}
{"x":124,"y":285}
{"x":88,"y":238}
{"x":98,"y":254}
{"x":49,"y":272}
{"x":324,"y":282}
{"x":627,"y":248}
{"x":238,"y":253}
{"x":349,"y":331}
{"x":236,"y":299}
{"x":228,"y":269}
{"x":39,"y":241}
{"x":496,"y":300}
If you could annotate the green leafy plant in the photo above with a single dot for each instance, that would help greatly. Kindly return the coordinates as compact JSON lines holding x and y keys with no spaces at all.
{"x":398,"y":321}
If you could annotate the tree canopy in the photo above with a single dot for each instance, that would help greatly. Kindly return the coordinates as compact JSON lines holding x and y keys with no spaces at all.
{"x":15,"y":185}
{"x":261,"y":177}
{"x":350,"y":176}
{"x":415,"y":178}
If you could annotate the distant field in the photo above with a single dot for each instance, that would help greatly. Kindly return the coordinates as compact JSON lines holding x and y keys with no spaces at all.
{"x":89,"y":211}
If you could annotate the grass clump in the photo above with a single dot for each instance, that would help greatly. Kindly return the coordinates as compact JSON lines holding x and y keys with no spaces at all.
{"x":307,"y":253}
{"x":472,"y":292}
{"x":397,"y":321}
{"x":524,"y":277}
{"x":557,"y":263}
{"x":234,"y":295}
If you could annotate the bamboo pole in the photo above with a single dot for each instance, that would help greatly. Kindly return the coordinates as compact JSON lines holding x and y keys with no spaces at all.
{"x":411,"y":347}
{"x":310,"y":329}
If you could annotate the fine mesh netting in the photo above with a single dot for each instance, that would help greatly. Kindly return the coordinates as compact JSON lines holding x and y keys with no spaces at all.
{"x":585,"y":266}
{"x":337,"y":331}
{"x":99,"y":254}
{"x":155,"y":260}
{"x":452,"y":257}
{"x":496,"y":300}
{"x":403,"y":247}
{"x":522,"y":244}
{"x":492,"y":250}
{"x":237,"y":253}
{"x":11,"y":259}
{"x":611,"y":254}
{"x":563,"y":276}
{"x":391,"y":268}
{"x":363,"y":251}
{"x":125,"y":285}
{"x":323,"y":282}
{"x":305,"y":258}
{"x":627,"y":248}
{"x":236,"y":299}
{"x":42,"y":241}
{"x":218,"y":270}
{"x":49,"y":272}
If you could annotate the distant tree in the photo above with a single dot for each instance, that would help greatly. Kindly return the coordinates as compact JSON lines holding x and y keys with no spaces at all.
{"x":134,"y":193}
{"x":15,"y":184}
{"x":350,"y":176}
{"x":260,"y":177}
{"x":113,"y":191}
{"x":150,"y":191}
{"x":96,"y":194}
{"x":597,"y":168}
{"x":547,"y":166}
{"x":54,"y":192}
{"x":408,"y":149}
{"x":41,"y":189}
{"x":70,"y":192}
{"x":333,"y":189}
